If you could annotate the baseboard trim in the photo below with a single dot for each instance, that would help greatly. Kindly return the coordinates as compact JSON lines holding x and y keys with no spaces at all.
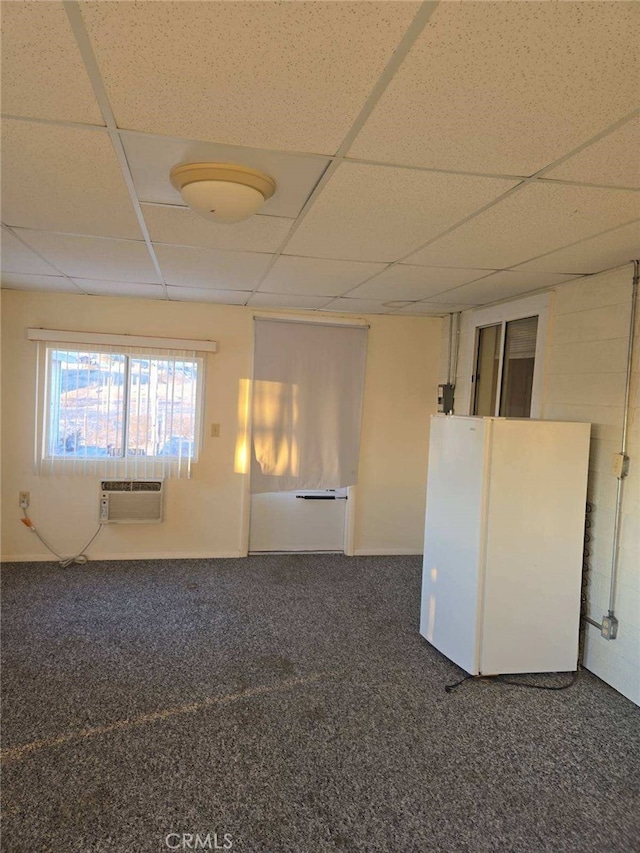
{"x":387,"y":552}
{"x":94,"y":558}
{"x":201,"y":555}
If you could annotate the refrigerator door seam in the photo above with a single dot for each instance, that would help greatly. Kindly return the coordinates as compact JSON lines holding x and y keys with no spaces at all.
{"x":484,"y":531}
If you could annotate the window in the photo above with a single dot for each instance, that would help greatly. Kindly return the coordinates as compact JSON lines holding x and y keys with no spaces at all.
{"x":120,"y":407}
{"x":487,"y":370}
{"x":518,"y":363}
{"x":504,"y":368}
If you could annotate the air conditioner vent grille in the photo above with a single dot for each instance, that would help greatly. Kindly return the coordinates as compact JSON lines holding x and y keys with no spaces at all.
{"x":131,"y":501}
{"x":131,"y":485}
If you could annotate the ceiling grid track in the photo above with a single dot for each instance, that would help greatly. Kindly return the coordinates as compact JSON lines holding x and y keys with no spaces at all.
{"x":416,"y":27}
{"x":577,"y":243}
{"x":614,"y":181}
{"x":58,"y":271}
{"x":514,"y":268}
{"x":536,"y":177}
{"x":388,"y":164}
{"x":91,"y":64}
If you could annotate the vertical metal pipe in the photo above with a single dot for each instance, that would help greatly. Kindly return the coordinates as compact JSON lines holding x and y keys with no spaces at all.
{"x":632,"y":323}
{"x":450,"y":348}
{"x":456,"y":347}
{"x":623,"y":445}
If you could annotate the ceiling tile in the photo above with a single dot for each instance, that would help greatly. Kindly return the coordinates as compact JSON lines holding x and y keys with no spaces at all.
{"x":282,"y":75}
{"x":432,"y":308}
{"x":16,"y":257}
{"x":613,"y":160}
{"x":506,"y":87}
{"x":373,"y":213}
{"x":316,"y":276}
{"x":53,"y":283}
{"x":500,"y":285}
{"x":121,"y":288}
{"x":197,"y":294}
{"x":151,"y":159}
{"x":408,"y":282}
{"x":357,"y":306}
{"x":94,"y":257}
{"x":43,"y":75}
{"x":63,"y":179}
{"x":182,"y":226}
{"x":287,"y":300}
{"x":538,"y":218}
{"x":208,"y":268}
{"x":595,"y":255}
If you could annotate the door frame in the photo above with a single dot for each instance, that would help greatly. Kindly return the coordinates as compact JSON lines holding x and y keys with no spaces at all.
{"x":245,"y":504}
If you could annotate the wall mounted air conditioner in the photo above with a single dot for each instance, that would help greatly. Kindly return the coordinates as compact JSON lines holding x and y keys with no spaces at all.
{"x":131,"y":501}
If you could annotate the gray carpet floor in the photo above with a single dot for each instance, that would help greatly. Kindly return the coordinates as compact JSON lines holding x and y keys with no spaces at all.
{"x":289,"y":702}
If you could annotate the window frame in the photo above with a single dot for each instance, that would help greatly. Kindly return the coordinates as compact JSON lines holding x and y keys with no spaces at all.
{"x":507,"y":368}
{"x":501,"y":314}
{"x":476,"y":365}
{"x":45,"y":411}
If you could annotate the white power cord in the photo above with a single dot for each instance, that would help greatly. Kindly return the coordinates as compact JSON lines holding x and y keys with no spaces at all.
{"x":64,"y":562}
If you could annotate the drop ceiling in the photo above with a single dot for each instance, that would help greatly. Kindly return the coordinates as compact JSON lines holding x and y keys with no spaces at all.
{"x":429,"y":157}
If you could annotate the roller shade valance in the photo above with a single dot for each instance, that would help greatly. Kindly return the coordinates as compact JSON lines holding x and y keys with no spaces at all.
{"x":102,"y":338}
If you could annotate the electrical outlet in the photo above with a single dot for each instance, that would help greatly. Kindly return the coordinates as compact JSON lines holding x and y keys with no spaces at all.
{"x":215,"y":430}
{"x":620,"y":466}
{"x":24,"y":500}
{"x":609,"y":629}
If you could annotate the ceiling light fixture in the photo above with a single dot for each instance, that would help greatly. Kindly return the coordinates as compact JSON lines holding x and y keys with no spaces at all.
{"x":397,"y":303}
{"x":221,"y":191}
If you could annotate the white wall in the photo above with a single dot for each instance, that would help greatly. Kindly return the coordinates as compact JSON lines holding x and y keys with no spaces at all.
{"x":583,"y":374}
{"x":400,"y":396}
{"x":584,"y":381}
{"x":204,"y":515}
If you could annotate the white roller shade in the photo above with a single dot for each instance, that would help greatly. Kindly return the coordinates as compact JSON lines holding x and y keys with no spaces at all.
{"x":521,"y":338}
{"x":306,"y":405}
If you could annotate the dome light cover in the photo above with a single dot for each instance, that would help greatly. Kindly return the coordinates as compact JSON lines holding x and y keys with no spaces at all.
{"x":222,"y":192}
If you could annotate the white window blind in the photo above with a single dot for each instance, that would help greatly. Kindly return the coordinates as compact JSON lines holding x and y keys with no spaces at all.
{"x":117,"y":411}
{"x":306,"y":405}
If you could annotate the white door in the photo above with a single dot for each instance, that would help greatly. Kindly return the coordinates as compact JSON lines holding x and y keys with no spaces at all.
{"x":306,"y":408}
{"x":534,"y":545}
{"x":298,"y":521}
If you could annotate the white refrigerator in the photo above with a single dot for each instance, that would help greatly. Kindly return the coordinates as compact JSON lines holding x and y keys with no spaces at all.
{"x":504,"y":539}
